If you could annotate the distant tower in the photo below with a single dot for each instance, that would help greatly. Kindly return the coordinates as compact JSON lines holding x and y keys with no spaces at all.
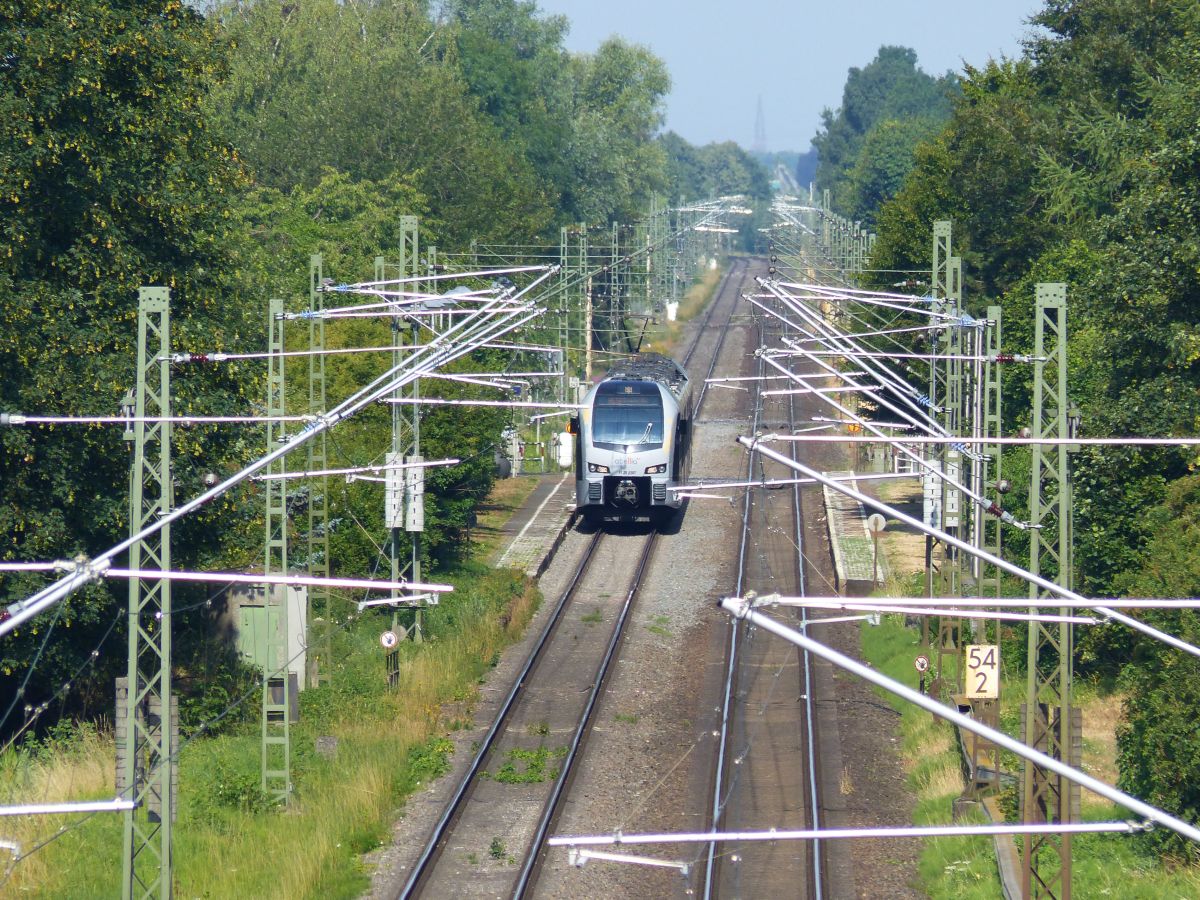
{"x":760,"y":129}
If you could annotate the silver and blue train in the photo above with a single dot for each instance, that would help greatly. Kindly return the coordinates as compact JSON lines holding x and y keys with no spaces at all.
{"x":633,"y":436}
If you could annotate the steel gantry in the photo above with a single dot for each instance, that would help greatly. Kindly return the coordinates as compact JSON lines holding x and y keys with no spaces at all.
{"x":320,"y":637}
{"x":405,"y":500}
{"x":276,"y":744}
{"x":146,"y":756}
{"x":1051,"y":724}
{"x":945,"y":396}
{"x":988,"y":534}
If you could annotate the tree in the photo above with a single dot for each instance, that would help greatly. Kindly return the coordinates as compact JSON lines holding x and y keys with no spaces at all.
{"x":883,"y":161}
{"x":515,"y":64}
{"x":365,"y":90}
{"x":110,"y":178}
{"x":890,"y":87}
{"x":1158,"y":747}
{"x":618,"y":110}
{"x":713,"y":170}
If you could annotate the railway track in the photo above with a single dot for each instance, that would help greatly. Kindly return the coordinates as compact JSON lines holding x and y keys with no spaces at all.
{"x":767,"y":765}
{"x":507,"y":802}
{"x":505,"y":805}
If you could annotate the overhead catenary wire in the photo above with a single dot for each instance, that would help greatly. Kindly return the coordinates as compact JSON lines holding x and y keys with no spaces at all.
{"x":950,"y":540}
{"x":317,"y":423}
{"x":821,"y":834}
{"x":471,"y":331}
{"x":741,"y":609}
{"x":355,"y":470}
{"x":985,"y":602}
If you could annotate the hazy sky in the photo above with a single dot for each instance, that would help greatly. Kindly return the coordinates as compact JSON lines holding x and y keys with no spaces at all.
{"x":723,"y":55}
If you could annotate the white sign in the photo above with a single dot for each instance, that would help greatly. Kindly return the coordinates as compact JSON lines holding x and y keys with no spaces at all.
{"x":414,"y":494}
{"x":876,"y":522}
{"x":394,"y":492}
{"x":389,"y":640}
{"x":983,"y":671}
{"x":933,"y":496}
{"x":953,"y":473}
{"x":921,"y":663}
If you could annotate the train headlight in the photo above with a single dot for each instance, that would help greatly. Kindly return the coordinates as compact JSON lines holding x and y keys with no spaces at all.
{"x":656,"y":470}
{"x":596,"y":467}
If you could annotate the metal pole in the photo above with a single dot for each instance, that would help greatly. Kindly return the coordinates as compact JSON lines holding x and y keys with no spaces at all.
{"x":1050,"y":721}
{"x":320,"y":607}
{"x":146,"y":761}
{"x":276,"y":749}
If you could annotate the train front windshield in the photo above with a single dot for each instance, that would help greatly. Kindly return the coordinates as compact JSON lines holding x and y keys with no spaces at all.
{"x":627,"y":414}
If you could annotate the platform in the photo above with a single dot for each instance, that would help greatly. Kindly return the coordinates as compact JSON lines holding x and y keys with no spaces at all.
{"x":533,"y":533}
{"x":853,"y":549}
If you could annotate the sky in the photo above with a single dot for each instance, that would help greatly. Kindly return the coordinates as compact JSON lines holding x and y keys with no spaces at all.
{"x":723,"y":56}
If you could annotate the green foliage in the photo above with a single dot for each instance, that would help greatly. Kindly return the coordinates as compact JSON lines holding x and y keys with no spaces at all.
{"x":885,"y":158}
{"x":365,"y":90}
{"x":111,"y":178}
{"x":1159,"y":749}
{"x":712,"y":170}
{"x":978,"y":172}
{"x":865,"y":147}
{"x":1078,"y":163}
{"x":226,"y":779}
{"x":431,"y":760}
{"x":523,"y":766}
{"x":618,"y":109}
{"x":716,"y":170}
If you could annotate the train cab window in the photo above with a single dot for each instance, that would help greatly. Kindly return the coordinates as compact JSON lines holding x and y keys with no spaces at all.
{"x":627,"y":414}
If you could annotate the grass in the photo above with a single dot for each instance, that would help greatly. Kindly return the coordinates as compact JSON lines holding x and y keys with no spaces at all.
{"x":507,"y":496}
{"x":388,"y":743}
{"x":667,"y":337}
{"x":659,"y":626}
{"x":79,"y":768}
{"x":528,"y":766}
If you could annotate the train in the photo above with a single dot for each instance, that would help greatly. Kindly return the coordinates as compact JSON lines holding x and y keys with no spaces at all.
{"x":633,"y":435}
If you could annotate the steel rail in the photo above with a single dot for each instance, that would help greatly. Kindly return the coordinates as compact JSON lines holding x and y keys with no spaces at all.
{"x":816,"y":869}
{"x":442,"y":828}
{"x":712,"y":307}
{"x":437,"y":840}
{"x":753,"y":444}
{"x":537,"y":847}
{"x":738,"y":607}
{"x":731,"y":655}
{"x":536,"y":854}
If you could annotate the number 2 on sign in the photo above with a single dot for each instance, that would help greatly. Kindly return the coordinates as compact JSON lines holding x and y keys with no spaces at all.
{"x":983,"y":671}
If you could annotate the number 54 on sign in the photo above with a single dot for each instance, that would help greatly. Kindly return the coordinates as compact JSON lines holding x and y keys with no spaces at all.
{"x":983,"y":671}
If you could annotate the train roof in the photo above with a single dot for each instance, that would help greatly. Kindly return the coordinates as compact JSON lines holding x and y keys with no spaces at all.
{"x":651,"y":367}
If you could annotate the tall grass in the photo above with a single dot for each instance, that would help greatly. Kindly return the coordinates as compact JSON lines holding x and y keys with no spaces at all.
{"x":229,"y":842}
{"x":667,"y":337}
{"x":694,"y":300}
{"x":965,"y":867}
{"x":54,"y":770}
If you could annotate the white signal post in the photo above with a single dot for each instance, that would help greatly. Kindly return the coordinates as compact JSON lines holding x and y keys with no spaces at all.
{"x":983,"y":671}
